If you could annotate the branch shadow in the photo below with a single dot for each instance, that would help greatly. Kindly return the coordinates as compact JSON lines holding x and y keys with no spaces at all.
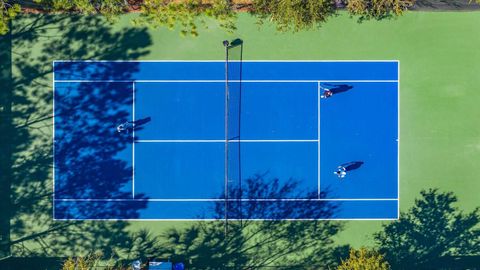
{"x":258,"y":234}
{"x":5,"y":148}
{"x":83,"y":152}
{"x":92,"y":160}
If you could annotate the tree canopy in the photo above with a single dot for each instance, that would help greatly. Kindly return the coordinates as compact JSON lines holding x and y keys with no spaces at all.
{"x":431,"y":229}
{"x":186,"y":14}
{"x":8,"y":11}
{"x":108,"y":8}
{"x":293,"y":14}
{"x":364,"y":259}
{"x":286,"y":15}
{"x":378,"y":9}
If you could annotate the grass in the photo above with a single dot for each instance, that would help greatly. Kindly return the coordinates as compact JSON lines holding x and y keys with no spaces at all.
{"x":438,"y":51}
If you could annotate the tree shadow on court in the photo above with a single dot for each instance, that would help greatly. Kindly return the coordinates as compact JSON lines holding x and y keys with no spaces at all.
{"x":432,"y":234}
{"x":86,"y":151}
{"x":93,"y":160}
{"x":245,"y":243}
{"x":5,"y":149}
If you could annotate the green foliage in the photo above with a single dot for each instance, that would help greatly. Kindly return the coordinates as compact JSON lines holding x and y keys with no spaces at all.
{"x":378,"y":9}
{"x":91,"y":261}
{"x":364,"y":259}
{"x":432,"y":228}
{"x":186,"y":14}
{"x":287,"y":15}
{"x":294,"y":14}
{"x":7,"y":13}
{"x":82,"y":263}
{"x":108,"y":8}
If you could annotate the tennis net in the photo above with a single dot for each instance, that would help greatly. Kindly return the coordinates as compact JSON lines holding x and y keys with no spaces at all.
{"x":233,"y":104}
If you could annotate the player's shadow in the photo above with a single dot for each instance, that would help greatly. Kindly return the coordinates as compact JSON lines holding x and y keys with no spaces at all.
{"x":88,"y":157}
{"x":140,"y":123}
{"x":338,"y":88}
{"x":353,"y":165}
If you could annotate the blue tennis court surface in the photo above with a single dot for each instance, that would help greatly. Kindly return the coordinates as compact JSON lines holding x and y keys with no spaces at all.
{"x":269,"y":150}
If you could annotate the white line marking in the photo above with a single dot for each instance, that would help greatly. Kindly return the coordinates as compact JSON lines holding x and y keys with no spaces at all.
{"x":214,"y":61}
{"x":318,"y":140}
{"x":53,"y":138}
{"x":223,"y":81}
{"x":133,"y":140}
{"x":398,"y":139}
{"x":246,"y":81}
{"x":233,"y":219}
{"x":221,"y":141}
{"x":221,"y":200}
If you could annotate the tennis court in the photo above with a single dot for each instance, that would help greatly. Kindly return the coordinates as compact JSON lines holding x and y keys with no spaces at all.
{"x":204,"y":127}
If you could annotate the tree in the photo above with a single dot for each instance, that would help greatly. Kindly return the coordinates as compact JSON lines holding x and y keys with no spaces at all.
{"x":8,"y":11}
{"x":287,"y":15}
{"x":364,"y":259}
{"x":186,"y":14}
{"x":378,"y":9}
{"x":108,"y":8}
{"x":432,"y":228}
{"x":294,"y":14}
{"x":93,"y":260}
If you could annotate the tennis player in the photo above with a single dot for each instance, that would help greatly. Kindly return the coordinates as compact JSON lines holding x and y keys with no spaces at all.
{"x":341,"y":172}
{"x":125,"y":127}
{"x":326,"y":93}
{"x":131,"y":125}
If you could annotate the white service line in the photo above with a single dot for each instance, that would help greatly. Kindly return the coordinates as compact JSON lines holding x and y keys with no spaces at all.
{"x":213,"y":61}
{"x":223,"y":81}
{"x":319,"y":94}
{"x":398,"y":140}
{"x":232,"y":219}
{"x":133,"y":141}
{"x":222,"y":141}
{"x":53,"y":138}
{"x":221,"y":200}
